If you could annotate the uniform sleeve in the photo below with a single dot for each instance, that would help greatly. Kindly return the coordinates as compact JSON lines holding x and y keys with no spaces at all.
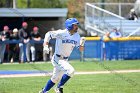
{"x":53,"y":34}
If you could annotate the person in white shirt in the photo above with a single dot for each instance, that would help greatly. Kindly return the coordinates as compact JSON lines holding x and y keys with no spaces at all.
{"x":115,"y":33}
{"x":66,"y":40}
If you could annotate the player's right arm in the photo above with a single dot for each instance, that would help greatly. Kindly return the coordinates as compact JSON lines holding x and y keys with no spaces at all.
{"x":50,"y":35}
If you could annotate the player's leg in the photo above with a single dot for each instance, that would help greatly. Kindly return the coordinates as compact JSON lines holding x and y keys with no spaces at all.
{"x":57,"y":73}
{"x":33,"y":53}
{"x":68,"y":73}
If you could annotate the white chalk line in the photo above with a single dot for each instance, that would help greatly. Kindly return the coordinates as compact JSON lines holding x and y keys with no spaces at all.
{"x":76,"y":73}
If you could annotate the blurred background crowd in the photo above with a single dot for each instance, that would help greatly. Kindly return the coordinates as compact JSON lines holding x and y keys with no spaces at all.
{"x":16,"y":43}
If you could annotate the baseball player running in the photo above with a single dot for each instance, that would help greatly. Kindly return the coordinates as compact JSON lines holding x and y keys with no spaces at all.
{"x":66,"y":40}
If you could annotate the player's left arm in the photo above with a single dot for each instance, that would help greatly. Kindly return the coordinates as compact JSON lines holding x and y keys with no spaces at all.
{"x":82,"y":43}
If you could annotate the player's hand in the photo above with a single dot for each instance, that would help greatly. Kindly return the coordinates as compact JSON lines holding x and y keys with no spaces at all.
{"x":82,"y":41}
{"x":81,"y":48}
{"x":46,"y":49}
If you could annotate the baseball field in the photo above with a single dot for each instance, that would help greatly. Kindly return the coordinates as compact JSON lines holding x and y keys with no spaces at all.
{"x":99,"y":82}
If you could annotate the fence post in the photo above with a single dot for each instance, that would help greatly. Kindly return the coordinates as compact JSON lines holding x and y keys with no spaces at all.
{"x":82,"y":56}
{"x":120,"y":12}
{"x":101,"y":49}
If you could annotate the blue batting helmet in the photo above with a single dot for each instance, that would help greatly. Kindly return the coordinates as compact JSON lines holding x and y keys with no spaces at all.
{"x":69,"y":23}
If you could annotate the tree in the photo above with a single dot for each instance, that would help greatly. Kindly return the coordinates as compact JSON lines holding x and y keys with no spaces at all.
{"x":41,"y":3}
{"x":6,"y":3}
{"x":76,"y":7}
{"x":21,"y":3}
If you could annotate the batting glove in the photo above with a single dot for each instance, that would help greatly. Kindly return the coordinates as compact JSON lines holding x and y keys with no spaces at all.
{"x":82,"y":41}
{"x":46,"y":49}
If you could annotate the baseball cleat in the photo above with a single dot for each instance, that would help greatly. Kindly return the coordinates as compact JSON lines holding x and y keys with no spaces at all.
{"x":58,"y":90}
{"x":41,"y":91}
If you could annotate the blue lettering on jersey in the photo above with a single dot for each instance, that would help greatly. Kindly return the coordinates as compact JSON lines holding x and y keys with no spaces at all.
{"x":69,"y":41}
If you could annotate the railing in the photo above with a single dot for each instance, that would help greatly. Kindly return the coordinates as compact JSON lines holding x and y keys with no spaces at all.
{"x":100,"y":20}
{"x":132,"y":33}
{"x":121,"y":9}
{"x":96,"y":17}
{"x":103,"y":10}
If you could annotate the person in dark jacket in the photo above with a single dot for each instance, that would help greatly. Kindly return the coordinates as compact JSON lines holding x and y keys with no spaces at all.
{"x":4,"y":35}
{"x":132,"y":15}
{"x":24,"y":36}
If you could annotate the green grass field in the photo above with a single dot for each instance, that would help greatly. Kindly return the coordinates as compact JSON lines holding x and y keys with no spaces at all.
{"x":100,"y":83}
{"x":79,"y":66}
{"x":104,"y":83}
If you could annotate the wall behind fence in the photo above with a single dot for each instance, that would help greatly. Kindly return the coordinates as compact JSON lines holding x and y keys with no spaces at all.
{"x":92,"y":50}
{"x":110,"y":49}
{"x":122,"y":50}
{"x":114,"y":49}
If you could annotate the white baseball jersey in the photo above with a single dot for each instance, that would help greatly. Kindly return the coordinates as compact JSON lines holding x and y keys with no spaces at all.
{"x":65,"y":42}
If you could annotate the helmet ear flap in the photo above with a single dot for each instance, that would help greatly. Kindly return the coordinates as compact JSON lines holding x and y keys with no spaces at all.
{"x":70,"y":26}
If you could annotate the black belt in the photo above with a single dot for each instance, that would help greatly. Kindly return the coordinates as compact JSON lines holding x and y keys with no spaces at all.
{"x":61,"y":56}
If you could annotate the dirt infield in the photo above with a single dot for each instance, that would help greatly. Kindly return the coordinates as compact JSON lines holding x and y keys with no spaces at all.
{"x":76,"y":73}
